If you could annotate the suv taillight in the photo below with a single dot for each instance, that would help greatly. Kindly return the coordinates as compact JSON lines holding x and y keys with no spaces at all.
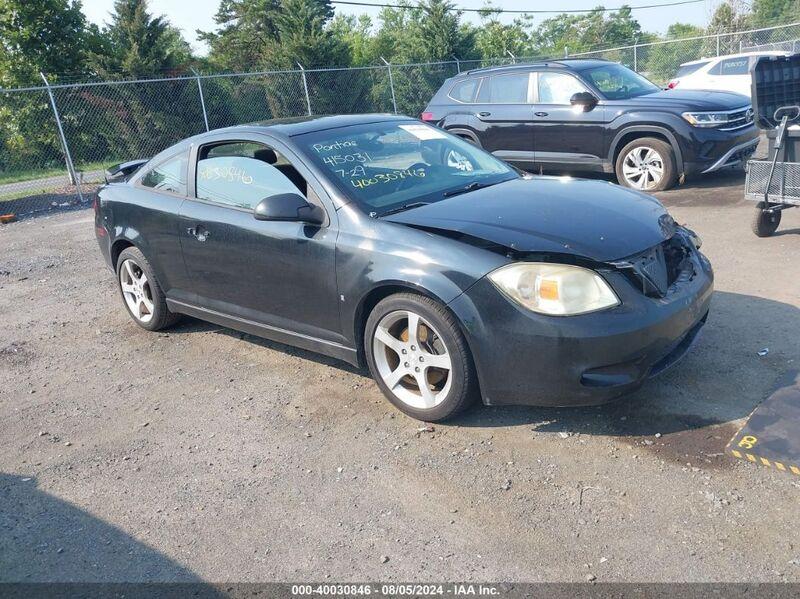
{"x":673,"y":84}
{"x":426,"y":116}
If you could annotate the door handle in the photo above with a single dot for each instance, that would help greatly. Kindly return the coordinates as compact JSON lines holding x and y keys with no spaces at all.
{"x":484,"y":113}
{"x":540,"y":113}
{"x":199,"y":232}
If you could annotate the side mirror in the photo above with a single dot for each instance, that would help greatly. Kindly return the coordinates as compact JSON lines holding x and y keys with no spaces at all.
{"x":583,"y":99}
{"x":289,"y":207}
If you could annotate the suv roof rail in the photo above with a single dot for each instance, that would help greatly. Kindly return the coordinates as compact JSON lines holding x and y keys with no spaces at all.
{"x":560,"y":62}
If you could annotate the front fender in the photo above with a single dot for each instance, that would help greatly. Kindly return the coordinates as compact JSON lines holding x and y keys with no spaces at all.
{"x":390,"y":255}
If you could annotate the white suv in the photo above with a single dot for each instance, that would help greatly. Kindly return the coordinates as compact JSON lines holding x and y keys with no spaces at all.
{"x":729,"y":73}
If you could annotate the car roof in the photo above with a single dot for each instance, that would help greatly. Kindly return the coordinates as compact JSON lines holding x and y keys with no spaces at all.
{"x":308,"y":124}
{"x":287,"y":127}
{"x":740,"y":55}
{"x":574,"y":64}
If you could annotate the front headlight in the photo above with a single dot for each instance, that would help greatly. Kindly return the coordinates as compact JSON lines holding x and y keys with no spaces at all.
{"x":554,"y":289}
{"x":706,"y":119}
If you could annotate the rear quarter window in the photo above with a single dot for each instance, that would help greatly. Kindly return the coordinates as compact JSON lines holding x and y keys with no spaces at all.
{"x":464,"y":91}
{"x":688,"y":69}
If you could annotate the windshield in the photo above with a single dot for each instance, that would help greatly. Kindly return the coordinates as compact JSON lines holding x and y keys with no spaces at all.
{"x":385,"y":166}
{"x":616,"y":82}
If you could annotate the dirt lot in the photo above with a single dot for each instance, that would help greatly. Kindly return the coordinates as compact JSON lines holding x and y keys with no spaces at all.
{"x":206,"y":454}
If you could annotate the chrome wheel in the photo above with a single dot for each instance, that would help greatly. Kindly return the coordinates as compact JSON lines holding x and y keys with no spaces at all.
{"x":136,"y":291}
{"x":412,"y":359}
{"x":643,"y":167}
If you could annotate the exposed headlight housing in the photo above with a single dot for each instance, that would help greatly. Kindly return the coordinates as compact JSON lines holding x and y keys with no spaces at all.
{"x":554,"y":289}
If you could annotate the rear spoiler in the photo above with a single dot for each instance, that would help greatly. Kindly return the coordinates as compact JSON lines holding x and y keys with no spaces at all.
{"x":121,"y":172}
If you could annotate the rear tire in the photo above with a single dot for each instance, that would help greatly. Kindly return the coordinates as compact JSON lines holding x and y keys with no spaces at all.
{"x":141,"y":293}
{"x":427,"y":374}
{"x":647,"y":164}
{"x":764,"y":224}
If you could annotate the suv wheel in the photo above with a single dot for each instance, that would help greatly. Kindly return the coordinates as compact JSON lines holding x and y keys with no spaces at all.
{"x":647,"y":164}
{"x":419,"y":358}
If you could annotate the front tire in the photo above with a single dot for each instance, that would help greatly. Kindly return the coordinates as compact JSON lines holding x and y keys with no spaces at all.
{"x":647,"y":164}
{"x":419,"y":358}
{"x":764,"y":223}
{"x":141,"y":292}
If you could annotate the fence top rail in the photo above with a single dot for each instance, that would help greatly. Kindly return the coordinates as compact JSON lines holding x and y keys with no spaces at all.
{"x":685,"y":39}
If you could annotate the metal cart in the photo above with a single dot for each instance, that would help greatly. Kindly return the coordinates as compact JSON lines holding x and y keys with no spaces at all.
{"x":775,"y":183}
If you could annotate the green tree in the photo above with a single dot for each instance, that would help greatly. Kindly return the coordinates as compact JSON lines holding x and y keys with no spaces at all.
{"x":730,"y":16}
{"x":495,"y":39}
{"x":137,"y":44}
{"x":585,"y":32}
{"x":49,"y":36}
{"x":775,"y":12}
{"x":41,"y":35}
{"x":662,"y":60}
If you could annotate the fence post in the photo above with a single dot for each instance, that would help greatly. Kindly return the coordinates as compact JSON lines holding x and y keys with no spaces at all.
{"x":458,"y":63}
{"x":202,"y":99}
{"x":391,"y":83}
{"x":566,"y":51}
{"x":67,"y":156}
{"x":635,"y":58}
{"x":305,"y":87}
{"x":718,"y":36}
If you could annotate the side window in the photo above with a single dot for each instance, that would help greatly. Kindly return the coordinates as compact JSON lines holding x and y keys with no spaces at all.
{"x":242,"y":174}
{"x":509,"y":89}
{"x":464,"y":91}
{"x":170,"y":175}
{"x":732,"y":66}
{"x":558,"y":88}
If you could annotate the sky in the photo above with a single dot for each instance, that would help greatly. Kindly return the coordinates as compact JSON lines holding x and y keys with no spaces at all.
{"x":192,"y":15}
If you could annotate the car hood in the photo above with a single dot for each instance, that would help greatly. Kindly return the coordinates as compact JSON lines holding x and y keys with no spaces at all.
{"x":690,"y":99}
{"x":590,"y":219}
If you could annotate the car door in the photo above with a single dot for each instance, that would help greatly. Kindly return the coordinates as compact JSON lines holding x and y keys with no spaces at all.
{"x":152,"y":220}
{"x":279,"y":274}
{"x":564,"y":135}
{"x":504,"y":118}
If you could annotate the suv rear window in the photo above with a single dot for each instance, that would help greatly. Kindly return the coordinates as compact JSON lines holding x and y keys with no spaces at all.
{"x":732,"y":66}
{"x":688,"y":69}
{"x":464,"y":91}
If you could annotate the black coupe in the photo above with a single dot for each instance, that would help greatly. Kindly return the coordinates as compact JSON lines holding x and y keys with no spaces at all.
{"x":386,"y":242}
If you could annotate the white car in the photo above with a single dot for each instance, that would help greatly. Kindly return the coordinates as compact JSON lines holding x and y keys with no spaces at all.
{"x":729,"y":73}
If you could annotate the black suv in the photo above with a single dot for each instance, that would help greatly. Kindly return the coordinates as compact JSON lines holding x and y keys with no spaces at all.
{"x":596,"y":115}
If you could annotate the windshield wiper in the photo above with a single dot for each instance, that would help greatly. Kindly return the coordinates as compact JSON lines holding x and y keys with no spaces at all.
{"x":403,"y":207}
{"x":468,"y":187}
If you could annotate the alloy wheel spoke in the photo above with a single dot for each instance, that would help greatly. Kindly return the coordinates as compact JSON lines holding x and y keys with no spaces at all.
{"x":127,"y":287}
{"x":437,"y":361}
{"x":394,"y":377}
{"x":413,"y":328}
{"x":129,"y":270}
{"x":424,"y":390}
{"x":385,"y":337}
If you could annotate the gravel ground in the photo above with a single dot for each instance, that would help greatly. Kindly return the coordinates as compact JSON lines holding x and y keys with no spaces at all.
{"x":205,"y":454}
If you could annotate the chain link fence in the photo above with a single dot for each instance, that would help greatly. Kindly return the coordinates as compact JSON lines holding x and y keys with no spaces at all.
{"x":660,"y":60}
{"x":57,"y":140}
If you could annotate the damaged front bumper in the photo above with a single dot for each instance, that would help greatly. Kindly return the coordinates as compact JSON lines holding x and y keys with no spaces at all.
{"x":527,"y":358}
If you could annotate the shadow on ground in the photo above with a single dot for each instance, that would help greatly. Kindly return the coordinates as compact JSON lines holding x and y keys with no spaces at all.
{"x":704,"y":397}
{"x":45,"y":539}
